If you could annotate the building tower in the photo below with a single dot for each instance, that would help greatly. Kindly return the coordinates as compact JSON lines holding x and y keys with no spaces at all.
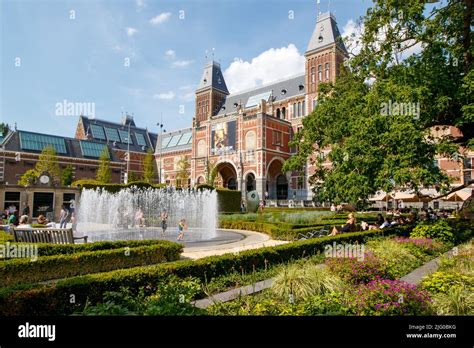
{"x":324,"y":56}
{"x":211,"y":92}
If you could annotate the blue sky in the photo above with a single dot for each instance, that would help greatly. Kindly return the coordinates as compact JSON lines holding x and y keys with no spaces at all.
{"x":77,"y":51}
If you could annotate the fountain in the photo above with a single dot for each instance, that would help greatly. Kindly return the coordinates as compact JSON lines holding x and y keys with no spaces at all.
{"x":102,"y":215}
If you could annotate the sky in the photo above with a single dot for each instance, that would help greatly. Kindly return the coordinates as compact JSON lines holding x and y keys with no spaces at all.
{"x":145,"y":57}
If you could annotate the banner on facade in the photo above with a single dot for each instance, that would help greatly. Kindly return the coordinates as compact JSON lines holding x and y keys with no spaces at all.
{"x":223,"y":137}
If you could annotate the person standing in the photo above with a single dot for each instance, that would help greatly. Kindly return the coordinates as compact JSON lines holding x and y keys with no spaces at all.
{"x":63,"y":217}
{"x":26,"y":209}
{"x":164,"y":222}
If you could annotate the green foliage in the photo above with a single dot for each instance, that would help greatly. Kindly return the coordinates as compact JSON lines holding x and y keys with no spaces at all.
{"x":4,"y":129}
{"x":183,"y":174}
{"x":48,"y":162}
{"x":398,"y":258}
{"x":28,"y":178}
{"x":228,"y":200}
{"x":17,"y":271}
{"x":389,"y":297}
{"x":5,"y":237}
{"x":52,"y":299}
{"x":442,"y":282}
{"x":440,"y":230}
{"x":211,"y":173}
{"x":303,"y":282}
{"x":113,"y":188}
{"x":458,"y":300}
{"x":104,"y":173}
{"x":67,"y":176}
{"x":45,"y":249}
{"x":149,"y":171}
{"x":174,"y":297}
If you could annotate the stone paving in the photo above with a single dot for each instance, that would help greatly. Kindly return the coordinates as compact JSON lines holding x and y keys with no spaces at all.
{"x":252,"y":240}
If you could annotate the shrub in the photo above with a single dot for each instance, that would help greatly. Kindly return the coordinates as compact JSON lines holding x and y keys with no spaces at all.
{"x":354,"y":271}
{"x":441,"y":282}
{"x":5,"y":237}
{"x":303,"y":282}
{"x":45,"y":249}
{"x":440,"y":230}
{"x":52,"y":299}
{"x":333,"y":303}
{"x":23,"y":270}
{"x":427,"y":245}
{"x":228,"y":200}
{"x":390,"y":297}
{"x":458,"y":300}
{"x":398,"y":259}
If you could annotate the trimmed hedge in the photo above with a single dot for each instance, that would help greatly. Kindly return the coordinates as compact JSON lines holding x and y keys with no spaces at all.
{"x":228,"y":200}
{"x":45,"y":249}
{"x":55,"y":299}
{"x":113,"y":188}
{"x":17,"y":271}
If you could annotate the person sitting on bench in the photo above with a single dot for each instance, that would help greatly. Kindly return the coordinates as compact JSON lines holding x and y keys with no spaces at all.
{"x":347,"y":227}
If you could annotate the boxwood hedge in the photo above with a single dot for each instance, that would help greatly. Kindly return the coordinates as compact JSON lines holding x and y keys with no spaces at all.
{"x":17,"y":271}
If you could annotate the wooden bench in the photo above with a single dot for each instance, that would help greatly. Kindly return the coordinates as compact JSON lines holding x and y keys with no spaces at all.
{"x":45,"y":235}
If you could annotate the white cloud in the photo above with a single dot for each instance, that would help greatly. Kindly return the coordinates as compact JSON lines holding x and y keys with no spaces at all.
{"x":171,"y":54}
{"x":131,"y":31}
{"x":165,"y":96}
{"x":182,"y":63}
{"x":140,"y":4}
{"x":351,"y":33}
{"x":161,"y":18}
{"x":269,"y":66}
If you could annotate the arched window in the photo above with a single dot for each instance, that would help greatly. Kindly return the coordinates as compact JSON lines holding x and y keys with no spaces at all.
{"x":283,"y":113}
{"x":201,"y":148}
{"x":294,"y":110}
{"x":320,"y":72}
{"x":315,"y":102}
{"x":313,"y":75}
{"x":299,"y":109}
{"x":304,"y":108}
{"x":326,"y":66}
{"x":278,"y":113}
{"x":250,"y":140}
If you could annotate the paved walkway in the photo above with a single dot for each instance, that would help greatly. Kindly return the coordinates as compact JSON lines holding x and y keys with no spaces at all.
{"x":418,"y":274}
{"x":252,"y":240}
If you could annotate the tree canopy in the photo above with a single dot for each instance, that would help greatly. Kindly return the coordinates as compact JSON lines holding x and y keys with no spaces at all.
{"x":359,"y":124}
{"x":104,"y":174}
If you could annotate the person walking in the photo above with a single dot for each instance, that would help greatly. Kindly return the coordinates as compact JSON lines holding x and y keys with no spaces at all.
{"x":63,"y":217}
{"x":164,"y":222}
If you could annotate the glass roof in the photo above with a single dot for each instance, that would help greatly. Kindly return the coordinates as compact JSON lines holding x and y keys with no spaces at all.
{"x":255,"y":99}
{"x":124,"y":136}
{"x":97,"y":132}
{"x":140,"y":139}
{"x":112,"y":134}
{"x":174,"y":140}
{"x":37,"y":142}
{"x":185,"y":139}
{"x":90,"y":149}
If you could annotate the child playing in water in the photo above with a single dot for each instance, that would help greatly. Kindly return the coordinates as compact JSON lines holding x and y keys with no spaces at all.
{"x":181,"y":228}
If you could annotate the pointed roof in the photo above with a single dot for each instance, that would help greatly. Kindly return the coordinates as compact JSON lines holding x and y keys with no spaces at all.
{"x":213,"y":77}
{"x":325,"y":33}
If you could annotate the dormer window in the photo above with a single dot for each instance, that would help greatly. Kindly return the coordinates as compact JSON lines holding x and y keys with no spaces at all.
{"x":235,"y":105}
{"x":301,"y":87}
{"x":283,"y":91}
{"x":320,"y":38}
{"x":205,"y":80}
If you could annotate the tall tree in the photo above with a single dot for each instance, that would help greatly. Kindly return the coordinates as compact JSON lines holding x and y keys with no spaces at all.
{"x":48,"y":162}
{"x":149,"y":171}
{"x":211,"y":173}
{"x":104,"y":174}
{"x":371,"y":143}
{"x":183,"y":173}
{"x":4,"y":129}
